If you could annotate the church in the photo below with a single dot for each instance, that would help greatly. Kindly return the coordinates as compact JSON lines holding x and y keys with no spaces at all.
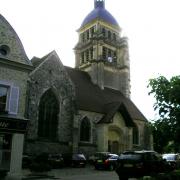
{"x":86,"y":108}
{"x":82,"y":109}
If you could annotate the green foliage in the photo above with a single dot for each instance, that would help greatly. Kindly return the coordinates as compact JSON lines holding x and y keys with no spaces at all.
{"x":167,"y":128}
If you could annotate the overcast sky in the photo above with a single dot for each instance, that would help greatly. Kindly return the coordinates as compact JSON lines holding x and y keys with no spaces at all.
{"x":152,"y":27}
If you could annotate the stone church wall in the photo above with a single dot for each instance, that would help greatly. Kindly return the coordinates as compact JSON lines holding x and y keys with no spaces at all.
{"x":50,"y":75}
{"x":88,"y":148}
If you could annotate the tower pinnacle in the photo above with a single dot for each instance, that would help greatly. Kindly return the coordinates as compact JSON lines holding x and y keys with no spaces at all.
{"x":99,"y":4}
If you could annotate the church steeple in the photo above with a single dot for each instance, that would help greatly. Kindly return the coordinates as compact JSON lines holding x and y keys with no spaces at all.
{"x":99,"y":4}
{"x":102,"y":52}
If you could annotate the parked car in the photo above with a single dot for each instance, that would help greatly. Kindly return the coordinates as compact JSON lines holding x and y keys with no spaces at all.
{"x":27,"y":160}
{"x":105,"y":160}
{"x":78,"y":160}
{"x":173,"y":159}
{"x":135,"y":164}
{"x":40,"y":163}
{"x":56,"y":160}
{"x":3,"y":173}
{"x":75,"y":160}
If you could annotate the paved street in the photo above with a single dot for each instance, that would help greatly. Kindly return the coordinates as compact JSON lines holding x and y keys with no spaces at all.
{"x":87,"y":173}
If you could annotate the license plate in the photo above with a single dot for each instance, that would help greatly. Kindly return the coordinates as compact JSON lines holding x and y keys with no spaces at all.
{"x":99,"y":161}
{"x":128,"y":165}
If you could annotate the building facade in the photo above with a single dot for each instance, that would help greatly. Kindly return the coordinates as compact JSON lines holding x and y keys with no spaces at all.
{"x":14,"y":72}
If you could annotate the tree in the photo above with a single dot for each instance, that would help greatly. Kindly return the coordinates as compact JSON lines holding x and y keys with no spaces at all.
{"x":167,"y":95}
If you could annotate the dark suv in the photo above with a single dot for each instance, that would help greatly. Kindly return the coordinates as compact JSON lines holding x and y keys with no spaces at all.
{"x":135,"y":164}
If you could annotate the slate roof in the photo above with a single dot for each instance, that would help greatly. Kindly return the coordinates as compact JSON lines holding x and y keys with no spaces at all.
{"x":90,"y":97}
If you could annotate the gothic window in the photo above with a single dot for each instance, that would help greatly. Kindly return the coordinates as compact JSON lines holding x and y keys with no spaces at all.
{"x":135,"y":136}
{"x":85,"y":130}
{"x":48,"y":116}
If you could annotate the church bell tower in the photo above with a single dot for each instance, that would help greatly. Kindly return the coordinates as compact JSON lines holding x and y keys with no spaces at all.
{"x":102,"y":52}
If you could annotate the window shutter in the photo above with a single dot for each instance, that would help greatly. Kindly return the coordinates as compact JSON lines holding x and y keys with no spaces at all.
{"x":13,"y":101}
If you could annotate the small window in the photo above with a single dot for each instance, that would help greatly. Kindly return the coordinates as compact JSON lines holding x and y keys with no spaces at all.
{"x":114,"y":36}
{"x":87,"y":55}
{"x":92,"y":31}
{"x":9,"y":97}
{"x":91,"y":53}
{"x":4,"y":50}
{"x":3,"y":98}
{"x":135,"y":136}
{"x":82,"y":57}
{"x":104,"y":53}
{"x":83,"y":37}
{"x":109,"y":35}
{"x":87,"y":34}
{"x":104,"y":32}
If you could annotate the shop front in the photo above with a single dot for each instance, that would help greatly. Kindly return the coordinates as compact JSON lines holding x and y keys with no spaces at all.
{"x":12,"y":131}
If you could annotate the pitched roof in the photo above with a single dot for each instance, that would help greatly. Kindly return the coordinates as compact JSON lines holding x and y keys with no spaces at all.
{"x":106,"y":101}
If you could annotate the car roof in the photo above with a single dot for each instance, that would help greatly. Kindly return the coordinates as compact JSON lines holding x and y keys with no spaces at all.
{"x":170,"y":154}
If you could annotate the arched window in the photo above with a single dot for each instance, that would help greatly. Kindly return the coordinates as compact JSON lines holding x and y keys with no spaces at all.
{"x":48,"y":116}
{"x":135,"y":136}
{"x":85,"y":130}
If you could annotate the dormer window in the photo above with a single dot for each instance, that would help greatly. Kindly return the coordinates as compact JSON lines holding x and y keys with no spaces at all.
{"x":4,"y":50}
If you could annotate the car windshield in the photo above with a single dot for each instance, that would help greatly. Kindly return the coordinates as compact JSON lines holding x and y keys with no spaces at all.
{"x":169,"y":157}
{"x":134,"y":156}
{"x":78,"y":156}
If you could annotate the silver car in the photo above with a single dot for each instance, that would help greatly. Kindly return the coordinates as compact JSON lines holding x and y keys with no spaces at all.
{"x":173,"y":159}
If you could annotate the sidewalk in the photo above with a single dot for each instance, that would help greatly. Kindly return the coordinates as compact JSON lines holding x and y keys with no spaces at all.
{"x":27,"y":175}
